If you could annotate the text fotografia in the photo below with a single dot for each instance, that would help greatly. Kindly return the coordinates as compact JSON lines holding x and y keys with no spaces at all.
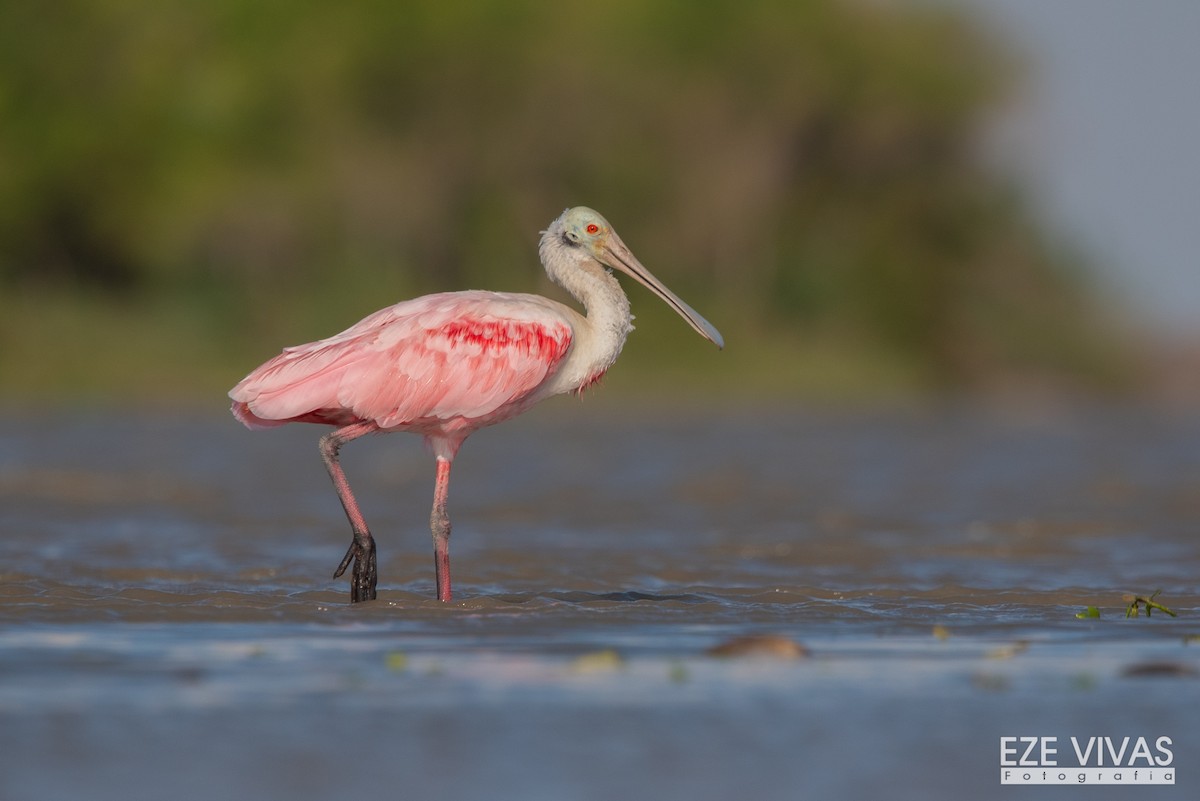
{"x":1088,"y":760}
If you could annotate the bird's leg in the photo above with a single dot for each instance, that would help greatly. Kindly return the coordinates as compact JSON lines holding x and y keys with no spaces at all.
{"x":439,"y":524}
{"x":362,"y":549}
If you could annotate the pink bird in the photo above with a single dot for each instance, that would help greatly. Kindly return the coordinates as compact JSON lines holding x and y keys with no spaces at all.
{"x":449,"y":364}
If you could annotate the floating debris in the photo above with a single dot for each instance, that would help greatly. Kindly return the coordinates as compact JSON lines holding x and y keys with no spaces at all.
{"x":941,"y":632}
{"x":1090,"y":611}
{"x":678,"y":673}
{"x":770,"y":646}
{"x":1083,"y":681}
{"x":1008,"y":651}
{"x":1160,"y":670}
{"x":396,"y":661}
{"x":1136,"y":602}
{"x":604,"y":661}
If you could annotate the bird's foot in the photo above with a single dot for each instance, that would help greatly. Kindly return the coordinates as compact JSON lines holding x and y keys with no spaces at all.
{"x":364,"y":575}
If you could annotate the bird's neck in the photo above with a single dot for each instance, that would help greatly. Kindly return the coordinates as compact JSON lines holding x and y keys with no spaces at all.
{"x":605,"y":302}
{"x":607,"y":307}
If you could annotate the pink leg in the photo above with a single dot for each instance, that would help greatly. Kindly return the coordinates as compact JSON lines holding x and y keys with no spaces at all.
{"x":439,"y":524}
{"x":362,"y":548}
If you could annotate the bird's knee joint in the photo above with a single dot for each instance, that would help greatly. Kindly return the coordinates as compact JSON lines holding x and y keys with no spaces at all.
{"x":329,"y":446}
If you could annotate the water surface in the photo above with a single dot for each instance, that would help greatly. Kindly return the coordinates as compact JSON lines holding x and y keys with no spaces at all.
{"x":169,"y":628}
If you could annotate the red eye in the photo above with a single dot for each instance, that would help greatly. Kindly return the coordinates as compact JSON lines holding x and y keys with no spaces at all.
{"x":592,"y":228}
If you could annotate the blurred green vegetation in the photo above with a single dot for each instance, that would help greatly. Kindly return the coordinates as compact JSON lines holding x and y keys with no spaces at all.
{"x":187,"y":187}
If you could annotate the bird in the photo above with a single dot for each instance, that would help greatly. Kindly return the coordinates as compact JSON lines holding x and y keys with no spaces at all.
{"x":448,"y":364}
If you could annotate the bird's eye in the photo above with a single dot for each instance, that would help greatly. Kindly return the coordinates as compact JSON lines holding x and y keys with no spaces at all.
{"x":592,"y":228}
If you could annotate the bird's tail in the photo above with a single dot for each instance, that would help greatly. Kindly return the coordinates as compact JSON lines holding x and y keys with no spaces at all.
{"x":241,"y":411}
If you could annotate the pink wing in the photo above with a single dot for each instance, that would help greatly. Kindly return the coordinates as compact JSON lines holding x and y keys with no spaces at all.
{"x":438,"y":360}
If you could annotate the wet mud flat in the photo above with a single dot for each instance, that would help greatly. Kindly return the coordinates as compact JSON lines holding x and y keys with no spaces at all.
{"x":168,"y":626}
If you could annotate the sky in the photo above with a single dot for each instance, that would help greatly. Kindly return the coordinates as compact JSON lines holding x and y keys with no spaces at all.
{"x":1104,"y":135}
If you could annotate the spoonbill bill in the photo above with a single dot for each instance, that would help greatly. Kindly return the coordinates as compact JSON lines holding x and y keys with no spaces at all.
{"x":448,"y":364}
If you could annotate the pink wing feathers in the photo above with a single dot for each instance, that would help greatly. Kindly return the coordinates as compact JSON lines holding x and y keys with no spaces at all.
{"x":437,"y":363}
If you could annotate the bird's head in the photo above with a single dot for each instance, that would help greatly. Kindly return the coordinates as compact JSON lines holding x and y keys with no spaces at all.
{"x":586,"y":232}
{"x":586,"y":229}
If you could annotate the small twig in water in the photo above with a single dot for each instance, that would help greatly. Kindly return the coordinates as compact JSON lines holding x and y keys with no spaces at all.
{"x":1138,"y":602}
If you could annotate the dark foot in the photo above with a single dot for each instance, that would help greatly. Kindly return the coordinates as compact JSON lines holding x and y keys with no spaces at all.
{"x":364,"y":574}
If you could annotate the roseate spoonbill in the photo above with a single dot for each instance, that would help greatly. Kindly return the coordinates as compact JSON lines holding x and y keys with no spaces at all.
{"x":445,"y":365}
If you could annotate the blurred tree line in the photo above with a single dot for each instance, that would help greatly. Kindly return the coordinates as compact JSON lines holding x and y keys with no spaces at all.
{"x":185,"y":187}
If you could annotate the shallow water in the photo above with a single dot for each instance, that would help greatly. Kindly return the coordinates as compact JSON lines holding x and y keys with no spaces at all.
{"x":169,"y":628}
